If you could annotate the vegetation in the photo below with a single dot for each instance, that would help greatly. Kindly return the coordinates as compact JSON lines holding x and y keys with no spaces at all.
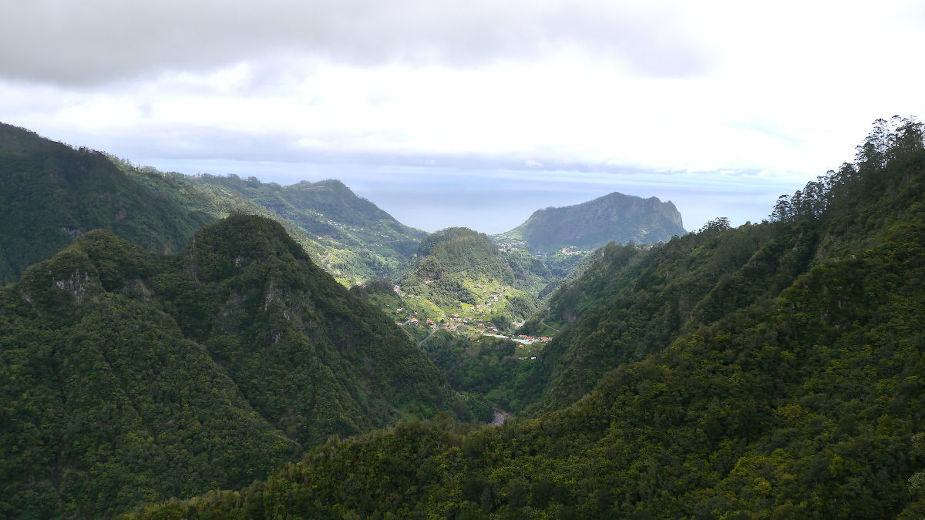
{"x":485,"y":366}
{"x":52,"y":193}
{"x":461,"y":272}
{"x":350,"y":236}
{"x":787,"y":384}
{"x":128,"y":376}
{"x":612,"y":218}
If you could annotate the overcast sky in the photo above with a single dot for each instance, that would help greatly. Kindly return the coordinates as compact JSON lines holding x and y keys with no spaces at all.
{"x":472,"y":112}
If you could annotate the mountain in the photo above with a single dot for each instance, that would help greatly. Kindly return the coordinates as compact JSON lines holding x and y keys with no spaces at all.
{"x":612,"y":218}
{"x":126,"y":375}
{"x":460,"y":271}
{"x":52,"y":193}
{"x":350,"y":236}
{"x":788,"y":384}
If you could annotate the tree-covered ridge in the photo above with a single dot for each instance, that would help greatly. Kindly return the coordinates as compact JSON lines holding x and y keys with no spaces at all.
{"x":106,"y":402}
{"x":372,"y":373}
{"x":587,"y":226}
{"x":52,"y":193}
{"x":805,"y":403}
{"x":635,"y":301}
{"x":218,"y":201}
{"x":462,"y":251}
{"x":128,"y":376}
{"x":353,"y":238}
{"x":458,"y":271}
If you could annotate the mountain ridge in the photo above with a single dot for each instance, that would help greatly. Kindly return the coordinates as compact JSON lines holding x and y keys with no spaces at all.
{"x":130,"y":375}
{"x":53,"y":193}
{"x":787,"y":386}
{"x":587,"y":226}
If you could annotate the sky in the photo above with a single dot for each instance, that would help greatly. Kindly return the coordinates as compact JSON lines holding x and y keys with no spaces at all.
{"x":475,"y":112}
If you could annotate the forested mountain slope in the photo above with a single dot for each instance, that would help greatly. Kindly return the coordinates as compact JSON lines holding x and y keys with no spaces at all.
{"x":127,"y":376}
{"x":587,"y":226}
{"x":353,"y":238}
{"x":790,"y":390}
{"x":460,"y":271}
{"x":51,"y":193}
{"x":634,"y":301}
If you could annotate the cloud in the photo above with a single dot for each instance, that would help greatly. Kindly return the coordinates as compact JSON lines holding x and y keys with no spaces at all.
{"x":661,"y":85}
{"x":98,"y":41}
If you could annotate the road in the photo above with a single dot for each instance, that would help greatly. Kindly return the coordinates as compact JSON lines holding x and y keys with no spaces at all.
{"x":547,"y":325}
{"x":428,"y":337}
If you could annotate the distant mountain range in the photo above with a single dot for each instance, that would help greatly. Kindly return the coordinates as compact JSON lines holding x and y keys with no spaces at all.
{"x":612,"y":218}
{"x":167,"y":334}
{"x":350,"y":236}
{"x":53,"y":193}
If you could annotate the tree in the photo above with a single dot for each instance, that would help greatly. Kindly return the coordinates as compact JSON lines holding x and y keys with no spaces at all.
{"x":717,"y":225}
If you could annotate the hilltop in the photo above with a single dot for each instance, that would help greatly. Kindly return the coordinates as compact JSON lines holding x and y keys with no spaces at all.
{"x":127,"y":375}
{"x":53,"y":193}
{"x":350,"y":236}
{"x":461,"y":277}
{"x":587,"y":226}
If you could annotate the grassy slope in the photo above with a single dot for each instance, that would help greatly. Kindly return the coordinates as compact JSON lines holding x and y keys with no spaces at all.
{"x":352,"y":238}
{"x":458,"y":269}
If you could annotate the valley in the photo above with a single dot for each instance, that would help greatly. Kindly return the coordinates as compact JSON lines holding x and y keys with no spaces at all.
{"x":766,"y":371}
{"x":178,"y":346}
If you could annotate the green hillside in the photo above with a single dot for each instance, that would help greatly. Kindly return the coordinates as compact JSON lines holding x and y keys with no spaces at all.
{"x":612,"y":218}
{"x":129,"y":376}
{"x":348,"y":235}
{"x":786,"y":384}
{"x":52,"y":193}
{"x":633,"y":302}
{"x":461,"y":272}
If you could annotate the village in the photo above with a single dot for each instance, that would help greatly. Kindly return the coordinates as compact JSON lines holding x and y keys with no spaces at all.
{"x":473,"y":321}
{"x":456,"y":323}
{"x":508,"y":244}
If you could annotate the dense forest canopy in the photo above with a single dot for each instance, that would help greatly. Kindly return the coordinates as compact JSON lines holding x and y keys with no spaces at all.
{"x":126,"y":375}
{"x":773,"y":370}
{"x":52,"y":193}
{"x":768,"y":371}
